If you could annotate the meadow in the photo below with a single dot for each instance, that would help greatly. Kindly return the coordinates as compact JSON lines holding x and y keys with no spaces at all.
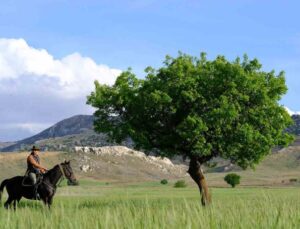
{"x":96,"y":204}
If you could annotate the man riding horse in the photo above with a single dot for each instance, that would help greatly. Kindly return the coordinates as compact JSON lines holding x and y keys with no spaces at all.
{"x":46,"y":187}
{"x":34,"y":169}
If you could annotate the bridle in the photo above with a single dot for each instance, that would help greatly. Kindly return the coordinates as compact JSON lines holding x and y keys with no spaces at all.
{"x":64,"y":174}
{"x":62,"y":171}
{"x":61,"y":179}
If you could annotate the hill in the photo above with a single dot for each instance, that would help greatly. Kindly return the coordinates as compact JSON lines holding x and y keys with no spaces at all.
{"x":78,"y":131}
{"x":119,"y":164}
{"x":295,"y":129}
{"x":5,"y":144}
{"x":72,"y":126}
{"x":113,"y":164}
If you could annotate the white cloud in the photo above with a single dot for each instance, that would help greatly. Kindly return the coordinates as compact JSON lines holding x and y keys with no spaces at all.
{"x":69,"y":77}
{"x":38,"y":90}
{"x":292,"y":112}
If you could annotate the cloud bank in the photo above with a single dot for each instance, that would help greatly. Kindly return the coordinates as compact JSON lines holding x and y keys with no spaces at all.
{"x":37,"y":90}
{"x":69,"y":77}
{"x":292,"y":112}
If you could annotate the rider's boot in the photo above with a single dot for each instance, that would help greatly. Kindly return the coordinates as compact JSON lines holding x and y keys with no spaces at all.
{"x":36,"y":194}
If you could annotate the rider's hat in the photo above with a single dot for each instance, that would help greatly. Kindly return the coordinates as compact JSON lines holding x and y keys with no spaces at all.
{"x":34,"y":148}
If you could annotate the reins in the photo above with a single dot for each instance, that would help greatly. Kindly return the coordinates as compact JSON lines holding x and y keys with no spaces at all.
{"x":63,"y":174}
{"x":60,"y":179}
{"x":46,"y":183}
{"x":62,"y":171}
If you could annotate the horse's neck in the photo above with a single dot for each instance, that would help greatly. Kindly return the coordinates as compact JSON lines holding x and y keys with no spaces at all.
{"x":53,"y":176}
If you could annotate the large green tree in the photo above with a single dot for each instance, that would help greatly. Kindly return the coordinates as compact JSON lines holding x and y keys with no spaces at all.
{"x":199,"y":109}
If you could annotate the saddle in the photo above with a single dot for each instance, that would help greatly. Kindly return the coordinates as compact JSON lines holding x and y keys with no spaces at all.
{"x":27,"y":181}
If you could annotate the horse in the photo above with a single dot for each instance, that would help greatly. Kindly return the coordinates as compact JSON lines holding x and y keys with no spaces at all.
{"x":46,"y":189}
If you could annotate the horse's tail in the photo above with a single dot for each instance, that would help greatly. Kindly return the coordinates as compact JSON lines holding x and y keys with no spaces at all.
{"x":3,"y":184}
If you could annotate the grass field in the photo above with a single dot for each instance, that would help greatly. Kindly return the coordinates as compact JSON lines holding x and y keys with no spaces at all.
{"x":151,"y":205}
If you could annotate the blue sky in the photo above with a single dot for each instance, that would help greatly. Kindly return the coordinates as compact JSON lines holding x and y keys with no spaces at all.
{"x":114,"y":35}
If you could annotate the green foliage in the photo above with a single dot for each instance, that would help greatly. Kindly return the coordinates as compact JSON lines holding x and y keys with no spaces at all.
{"x":180,"y":184}
{"x":232,"y":179}
{"x":293,"y":180}
{"x":164,"y":181}
{"x":195,"y":107}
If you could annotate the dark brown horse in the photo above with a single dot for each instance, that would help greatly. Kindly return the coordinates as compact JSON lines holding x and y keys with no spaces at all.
{"x":46,"y":189}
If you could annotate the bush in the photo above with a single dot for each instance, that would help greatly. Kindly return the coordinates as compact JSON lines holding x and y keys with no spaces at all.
{"x":180,"y":184}
{"x":164,"y":181}
{"x":232,"y":179}
{"x":293,"y":180}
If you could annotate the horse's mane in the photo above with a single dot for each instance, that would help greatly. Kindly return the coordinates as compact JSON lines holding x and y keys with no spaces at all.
{"x":50,"y":170}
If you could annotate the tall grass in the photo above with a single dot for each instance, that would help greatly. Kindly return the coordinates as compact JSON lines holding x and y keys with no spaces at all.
{"x":161,"y":207}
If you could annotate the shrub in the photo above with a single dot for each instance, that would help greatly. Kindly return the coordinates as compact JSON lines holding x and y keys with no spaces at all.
{"x":232,"y":179}
{"x":164,"y":181}
{"x":180,"y":184}
{"x":293,"y":180}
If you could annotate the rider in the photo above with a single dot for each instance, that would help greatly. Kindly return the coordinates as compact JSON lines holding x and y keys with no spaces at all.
{"x":34,"y":168}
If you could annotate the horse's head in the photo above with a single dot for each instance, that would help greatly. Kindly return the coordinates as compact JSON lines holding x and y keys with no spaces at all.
{"x":68,"y":171}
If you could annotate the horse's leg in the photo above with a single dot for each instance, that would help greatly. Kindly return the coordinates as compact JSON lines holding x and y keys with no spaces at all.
{"x":16,"y":201}
{"x":45,"y":200}
{"x":15,"y":204}
{"x":8,"y":202}
{"x":50,"y":200}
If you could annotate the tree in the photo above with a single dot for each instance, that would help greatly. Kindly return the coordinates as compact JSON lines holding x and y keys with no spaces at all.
{"x":232,"y":179}
{"x":199,"y":109}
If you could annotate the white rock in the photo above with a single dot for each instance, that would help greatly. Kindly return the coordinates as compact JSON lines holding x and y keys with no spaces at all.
{"x":85,"y":168}
{"x":121,"y":151}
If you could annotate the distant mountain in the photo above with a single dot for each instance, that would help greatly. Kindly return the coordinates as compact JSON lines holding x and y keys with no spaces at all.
{"x":72,"y":126}
{"x":78,"y":131}
{"x":5,"y":144}
{"x":295,"y":129}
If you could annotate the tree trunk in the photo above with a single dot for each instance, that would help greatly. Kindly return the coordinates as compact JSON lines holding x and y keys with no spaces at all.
{"x":197,"y":175}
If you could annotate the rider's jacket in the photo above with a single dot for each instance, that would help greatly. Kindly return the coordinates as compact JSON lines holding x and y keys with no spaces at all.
{"x":30,"y":167}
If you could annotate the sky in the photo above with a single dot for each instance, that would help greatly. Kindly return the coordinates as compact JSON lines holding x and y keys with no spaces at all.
{"x":51,"y":51}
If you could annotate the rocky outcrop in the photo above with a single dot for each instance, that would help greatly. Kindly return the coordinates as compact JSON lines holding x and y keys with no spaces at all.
{"x":122,"y":151}
{"x":121,"y":156}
